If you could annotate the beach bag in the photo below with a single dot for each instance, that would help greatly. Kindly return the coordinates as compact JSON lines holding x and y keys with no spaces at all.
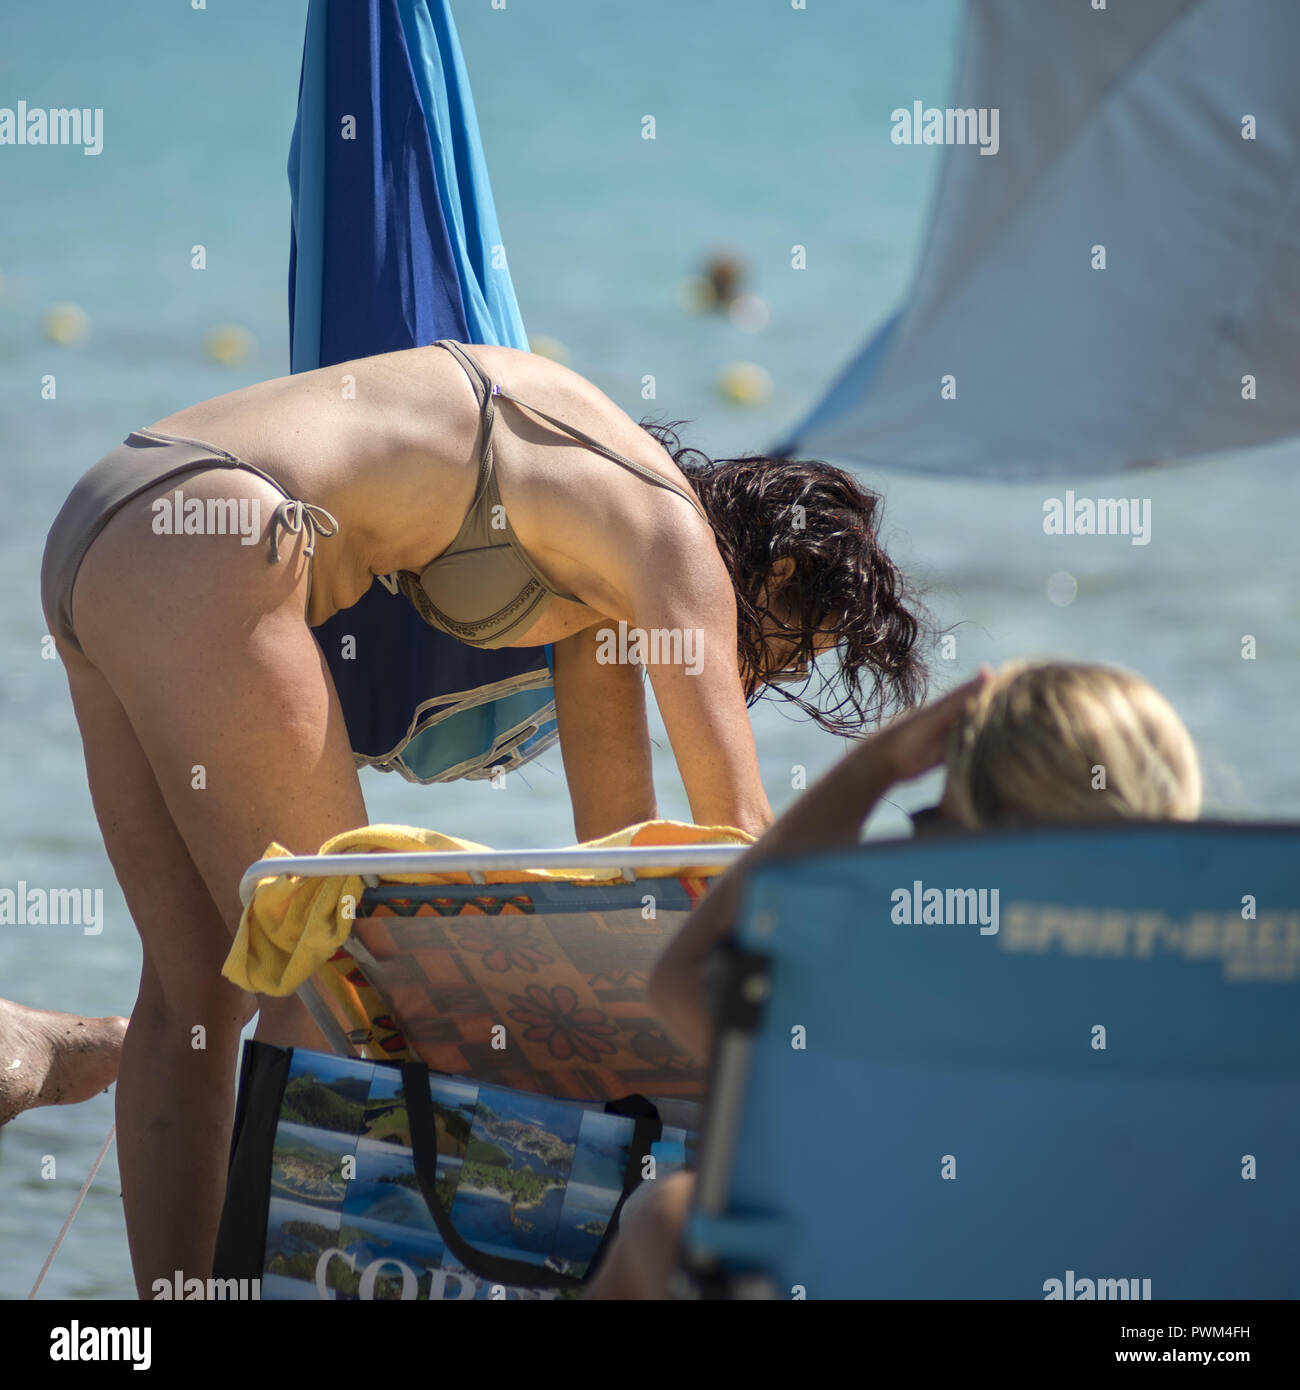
{"x":380,"y":1180}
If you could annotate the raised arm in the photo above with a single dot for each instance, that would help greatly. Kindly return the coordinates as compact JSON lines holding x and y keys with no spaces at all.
{"x":828,"y":816}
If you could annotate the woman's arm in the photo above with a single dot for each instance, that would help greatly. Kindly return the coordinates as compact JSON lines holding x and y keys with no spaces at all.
{"x":684,"y":606}
{"x":828,"y":816}
{"x":604,"y":737}
{"x":646,"y":561}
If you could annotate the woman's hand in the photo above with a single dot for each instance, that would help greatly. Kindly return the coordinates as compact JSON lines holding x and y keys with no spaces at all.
{"x":918,"y":741}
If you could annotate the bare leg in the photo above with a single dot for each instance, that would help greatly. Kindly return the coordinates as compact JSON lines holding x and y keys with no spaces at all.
{"x":54,"y":1059}
{"x":287,"y":1023}
{"x":211,"y":728}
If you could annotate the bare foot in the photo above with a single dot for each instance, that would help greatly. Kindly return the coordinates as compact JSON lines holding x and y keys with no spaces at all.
{"x":54,"y":1059}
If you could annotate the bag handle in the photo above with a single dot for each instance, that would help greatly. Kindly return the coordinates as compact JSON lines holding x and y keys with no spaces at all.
{"x":501,"y":1269}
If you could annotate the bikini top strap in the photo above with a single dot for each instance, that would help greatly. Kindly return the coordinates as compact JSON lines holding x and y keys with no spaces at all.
{"x":492,"y":388}
{"x":630,"y":464}
{"x":483,"y":389}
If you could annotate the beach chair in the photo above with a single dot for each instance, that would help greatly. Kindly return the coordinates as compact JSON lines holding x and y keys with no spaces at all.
{"x":518,"y":980}
{"x":1051,"y":1064}
{"x":525,"y":968}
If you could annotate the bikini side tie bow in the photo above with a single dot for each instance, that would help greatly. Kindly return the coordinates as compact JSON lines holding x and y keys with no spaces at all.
{"x":296,"y":516}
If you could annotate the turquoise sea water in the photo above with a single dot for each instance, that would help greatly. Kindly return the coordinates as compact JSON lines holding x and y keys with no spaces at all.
{"x":772,"y":131}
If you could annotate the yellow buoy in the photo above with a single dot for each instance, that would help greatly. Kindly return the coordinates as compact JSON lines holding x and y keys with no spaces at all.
{"x":228,"y":344}
{"x":744,"y":383}
{"x":550,"y":348}
{"x":67,"y":324}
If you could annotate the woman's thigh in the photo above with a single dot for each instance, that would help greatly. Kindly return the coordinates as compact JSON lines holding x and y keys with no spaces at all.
{"x":185,"y":938}
{"x":205,"y":648}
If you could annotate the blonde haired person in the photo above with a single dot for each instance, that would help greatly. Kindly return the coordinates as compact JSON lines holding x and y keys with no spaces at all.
{"x":1071,"y":744}
{"x":1035,"y":743}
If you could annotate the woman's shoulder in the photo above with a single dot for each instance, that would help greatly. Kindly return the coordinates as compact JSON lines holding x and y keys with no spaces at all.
{"x":521,"y":371}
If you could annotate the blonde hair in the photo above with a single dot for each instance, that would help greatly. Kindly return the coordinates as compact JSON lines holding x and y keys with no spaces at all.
{"x":1053,"y":741}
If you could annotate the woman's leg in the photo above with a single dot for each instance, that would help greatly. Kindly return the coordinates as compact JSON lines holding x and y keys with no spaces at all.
{"x":211,"y":728}
{"x":174,"y":1098}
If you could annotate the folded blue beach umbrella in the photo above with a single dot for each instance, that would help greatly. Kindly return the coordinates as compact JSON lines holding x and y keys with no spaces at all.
{"x":396,"y":244}
{"x":1116,"y":282}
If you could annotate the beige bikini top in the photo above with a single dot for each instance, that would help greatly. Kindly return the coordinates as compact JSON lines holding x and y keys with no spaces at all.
{"x":483,"y":589}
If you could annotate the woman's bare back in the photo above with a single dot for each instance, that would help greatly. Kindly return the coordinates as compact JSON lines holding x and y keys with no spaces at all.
{"x":390,"y":446}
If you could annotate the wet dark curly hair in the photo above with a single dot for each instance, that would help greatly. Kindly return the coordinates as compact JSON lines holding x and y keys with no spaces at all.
{"x":767,"y":509}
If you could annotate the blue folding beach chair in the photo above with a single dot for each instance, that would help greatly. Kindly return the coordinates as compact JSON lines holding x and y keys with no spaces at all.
{"x":1054,"y":1064}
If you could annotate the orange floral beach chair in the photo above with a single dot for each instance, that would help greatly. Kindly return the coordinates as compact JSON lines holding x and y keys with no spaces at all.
{"x":525,"y":969}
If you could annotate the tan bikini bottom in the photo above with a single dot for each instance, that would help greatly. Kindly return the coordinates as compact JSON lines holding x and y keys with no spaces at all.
{"x":142,"y":461}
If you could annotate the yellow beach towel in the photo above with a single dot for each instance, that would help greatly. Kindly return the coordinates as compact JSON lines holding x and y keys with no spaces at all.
{"x":293,"y":925}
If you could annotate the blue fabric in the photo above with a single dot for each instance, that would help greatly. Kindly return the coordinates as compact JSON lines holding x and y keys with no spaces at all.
{"x":1134,"y":142}
{"x":464,"y":192}
{"x":396,"y":244}
{"x":926,"y":1041}
{"x":307,"y":186}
